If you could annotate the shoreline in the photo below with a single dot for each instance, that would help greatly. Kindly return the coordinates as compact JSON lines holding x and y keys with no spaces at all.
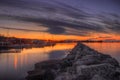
{"x":82,"y":63}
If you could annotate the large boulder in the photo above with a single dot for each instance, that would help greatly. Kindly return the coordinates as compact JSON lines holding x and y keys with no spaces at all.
{"x":82,"y":63}
{"x":98,"y":77}
{"x":104,"y":70}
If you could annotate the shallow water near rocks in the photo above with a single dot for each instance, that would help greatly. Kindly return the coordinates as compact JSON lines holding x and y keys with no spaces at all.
{"x":112,"y":49}
{"x":14,"y":65}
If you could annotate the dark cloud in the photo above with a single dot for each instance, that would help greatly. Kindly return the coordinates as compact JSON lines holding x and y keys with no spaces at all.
{"x":60,"y":16}
{"x":116,"y":1}
{"x":58,"y":27}
{"x":112,"y":22}
{"x":13,"y":3}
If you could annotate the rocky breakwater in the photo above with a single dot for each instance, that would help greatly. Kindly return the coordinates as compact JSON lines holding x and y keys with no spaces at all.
{"x":83,"y":63}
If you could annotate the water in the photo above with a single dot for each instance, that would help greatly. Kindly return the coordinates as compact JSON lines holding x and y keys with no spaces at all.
{"x":14,"y":64}
{"x":112,"y":49}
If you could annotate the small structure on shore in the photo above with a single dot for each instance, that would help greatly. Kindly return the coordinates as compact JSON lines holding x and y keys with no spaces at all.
{"x":83,"y":63}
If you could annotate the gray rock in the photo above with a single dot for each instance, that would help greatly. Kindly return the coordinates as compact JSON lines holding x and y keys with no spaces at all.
{"x":88,"y":60}
{"x":52,"y":64}
{"x":83,"y":63}
{"x":104,"y":70}
{"x":97,"y":77}
{"x":111,"y":61}
{"x":82,"y":77}
{"x":65,"y":76}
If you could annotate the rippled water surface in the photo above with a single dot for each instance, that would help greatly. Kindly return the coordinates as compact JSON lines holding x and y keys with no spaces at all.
{"x":112,"y":49}
{"x":14,"y":64}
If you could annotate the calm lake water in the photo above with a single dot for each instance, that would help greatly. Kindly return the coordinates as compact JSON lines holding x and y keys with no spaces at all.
{"x":15,"y":64}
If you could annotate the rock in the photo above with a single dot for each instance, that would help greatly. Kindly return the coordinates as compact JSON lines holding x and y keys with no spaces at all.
{"x":44,"y":70}
{"x":111,"y":61}
{"x":87,"y":60}
{"x":82,"y":77}
{"x":52,"y":64}
{"x":97,"y":77}
{"x":47,"y":74}
{"x":65,"y":76}
{"x":118,"y":70}
{"x":104,"y":70}
{"x":83,"y":63}
{"x":117,"y":73}
{"x":96,"y":59}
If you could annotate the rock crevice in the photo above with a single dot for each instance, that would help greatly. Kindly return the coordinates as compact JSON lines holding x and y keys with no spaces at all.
{"x":82,"y":63}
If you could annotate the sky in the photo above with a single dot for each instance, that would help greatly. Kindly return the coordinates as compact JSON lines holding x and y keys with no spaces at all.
{"x":61,"y":19}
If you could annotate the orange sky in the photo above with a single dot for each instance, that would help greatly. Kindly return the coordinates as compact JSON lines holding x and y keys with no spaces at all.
{"x":48,"y":36}
{"x":98,"y":23}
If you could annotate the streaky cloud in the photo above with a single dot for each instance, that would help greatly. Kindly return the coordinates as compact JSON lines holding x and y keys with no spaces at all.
{"x":59,"y":18}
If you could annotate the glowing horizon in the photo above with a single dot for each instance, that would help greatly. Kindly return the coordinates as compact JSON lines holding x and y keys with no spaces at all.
{"x":61,"y":20}
{"x":48,"y":36}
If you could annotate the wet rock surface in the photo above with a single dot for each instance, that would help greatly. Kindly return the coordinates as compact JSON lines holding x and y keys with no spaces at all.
{"x":83,"y":63}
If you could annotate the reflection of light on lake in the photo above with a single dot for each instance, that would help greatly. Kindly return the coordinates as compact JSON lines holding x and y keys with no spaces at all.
{"x":63,"y":46}
{"x":112,"y":49}
{"x":39,"y":54}
{"x":17,"y":64}
{"x":14,"y":66}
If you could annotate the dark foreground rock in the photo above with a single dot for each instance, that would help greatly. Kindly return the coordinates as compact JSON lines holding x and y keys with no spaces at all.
{"x":83,"y":63}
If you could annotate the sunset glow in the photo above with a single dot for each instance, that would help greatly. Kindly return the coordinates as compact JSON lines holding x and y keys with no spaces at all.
{"x":63,"y":21}
{"x":48,"y":36}
{"x":44,"y":39}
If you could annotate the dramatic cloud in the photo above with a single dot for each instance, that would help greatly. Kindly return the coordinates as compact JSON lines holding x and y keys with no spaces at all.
{"x":62,"y":18}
